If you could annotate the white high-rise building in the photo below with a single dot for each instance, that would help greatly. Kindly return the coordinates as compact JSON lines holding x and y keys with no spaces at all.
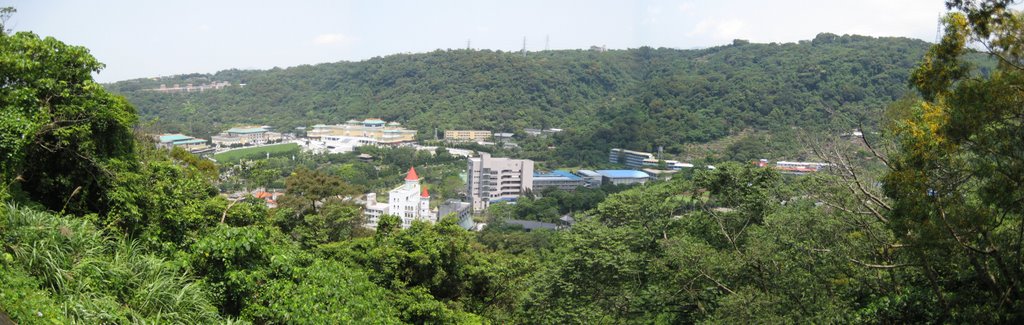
{"x":497,"y":179}
{"x":409,"y":202}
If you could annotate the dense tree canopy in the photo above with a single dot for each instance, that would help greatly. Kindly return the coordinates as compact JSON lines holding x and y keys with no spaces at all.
{"x":957,"y":178}
{"x":61,"y":134}
{"x":638,"y":98}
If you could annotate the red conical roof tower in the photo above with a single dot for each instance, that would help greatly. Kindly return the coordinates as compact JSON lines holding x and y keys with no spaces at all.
{"x":425,"y":194}
{"x":412,"y":175}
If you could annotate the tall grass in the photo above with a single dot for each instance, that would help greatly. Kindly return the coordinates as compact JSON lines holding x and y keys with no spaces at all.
{"x":96,"y":279}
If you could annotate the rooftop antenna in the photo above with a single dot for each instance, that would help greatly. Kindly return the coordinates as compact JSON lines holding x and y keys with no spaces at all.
{"x":547,"y":42}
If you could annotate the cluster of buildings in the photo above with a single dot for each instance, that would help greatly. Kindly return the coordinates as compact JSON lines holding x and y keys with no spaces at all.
{"x":411,"y":202}
{"x":794,"y":167}
{"x":484,"y":136}
{"x":187,"y":88}
{"x":490,"y":179}
{"x":234,"y":137}
{"x":339,"y":138}
{"x":245,"y":136}
{"x":648,"y":163}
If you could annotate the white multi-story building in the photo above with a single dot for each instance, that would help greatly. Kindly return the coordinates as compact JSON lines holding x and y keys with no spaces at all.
{"x":409,"y":202}
{"x":497,"y":179}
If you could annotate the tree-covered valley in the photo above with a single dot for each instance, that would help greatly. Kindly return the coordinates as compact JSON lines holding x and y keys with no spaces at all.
{"x":920,"y":220}
{"x":638,"y":98}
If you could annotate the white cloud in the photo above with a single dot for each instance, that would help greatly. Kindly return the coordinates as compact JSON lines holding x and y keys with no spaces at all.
{"x":653,"y":15}
{"x":333,"y":39}
{"x":685,"y":7}
{"x":729,"y":29}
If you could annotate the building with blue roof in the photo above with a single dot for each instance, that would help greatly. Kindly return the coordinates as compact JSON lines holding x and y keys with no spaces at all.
{"x":591,"y":179}
{"x":623,"y":176}
{"x":559,"y":179}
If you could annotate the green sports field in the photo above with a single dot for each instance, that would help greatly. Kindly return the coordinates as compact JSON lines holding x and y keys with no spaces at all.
{"x":257,"y":152}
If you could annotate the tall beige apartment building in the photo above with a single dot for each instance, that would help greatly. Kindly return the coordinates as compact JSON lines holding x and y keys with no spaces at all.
{"x":491,"y":180}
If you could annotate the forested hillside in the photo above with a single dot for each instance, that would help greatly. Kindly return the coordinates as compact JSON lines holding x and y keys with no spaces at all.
{"x":637,"y":98}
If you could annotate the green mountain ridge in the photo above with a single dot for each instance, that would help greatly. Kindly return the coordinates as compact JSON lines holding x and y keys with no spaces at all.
{"x":636,"y":98}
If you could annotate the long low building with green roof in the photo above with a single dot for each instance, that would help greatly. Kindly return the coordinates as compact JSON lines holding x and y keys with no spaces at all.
{"x":194,"y":145}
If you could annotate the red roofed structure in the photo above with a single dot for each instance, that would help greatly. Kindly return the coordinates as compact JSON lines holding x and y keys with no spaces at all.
{"x":410,"y":202}
{"x":412,"y":175}
{"x":263,"y":195}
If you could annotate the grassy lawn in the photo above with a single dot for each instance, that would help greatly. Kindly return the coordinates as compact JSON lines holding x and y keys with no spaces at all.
{"x":257,"y":152}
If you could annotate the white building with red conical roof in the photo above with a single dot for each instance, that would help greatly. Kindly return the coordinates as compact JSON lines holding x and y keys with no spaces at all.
{"x":409,"y":202}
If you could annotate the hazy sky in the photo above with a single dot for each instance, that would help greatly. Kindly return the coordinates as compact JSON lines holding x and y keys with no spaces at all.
{"x":158,"y":38}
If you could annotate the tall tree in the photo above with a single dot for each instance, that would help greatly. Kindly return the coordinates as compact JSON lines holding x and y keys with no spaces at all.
{"x":62,"y":135}
{"x":313,"y":186}
{"x":958,"y":180}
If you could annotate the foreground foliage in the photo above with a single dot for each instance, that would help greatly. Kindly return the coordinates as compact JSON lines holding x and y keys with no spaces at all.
{"x":64,"y":270}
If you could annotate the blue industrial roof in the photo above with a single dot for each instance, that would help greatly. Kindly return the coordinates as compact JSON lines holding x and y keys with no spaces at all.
{"x":557,"y":173}
{"x":622,"y":173}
